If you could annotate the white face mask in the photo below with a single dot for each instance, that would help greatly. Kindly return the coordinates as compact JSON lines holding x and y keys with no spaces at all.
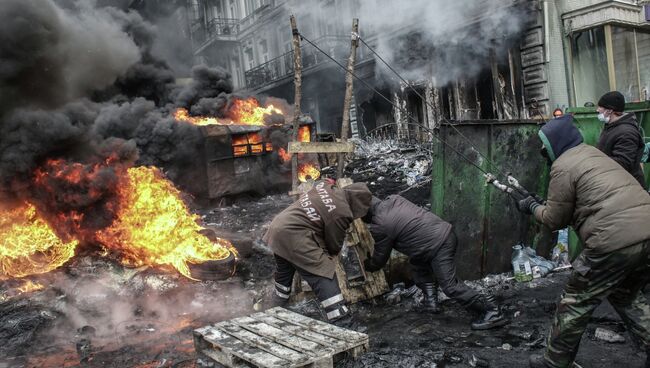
{"x":603,"y":118}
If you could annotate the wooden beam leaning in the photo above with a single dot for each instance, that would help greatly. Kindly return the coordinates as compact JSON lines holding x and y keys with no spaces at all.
{"x":320,"y":147}
{"x":345,"y":124}
{"x":297,"y":81}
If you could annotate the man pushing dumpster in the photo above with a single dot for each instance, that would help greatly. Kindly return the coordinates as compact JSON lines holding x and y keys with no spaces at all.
{"x":611,"y":212}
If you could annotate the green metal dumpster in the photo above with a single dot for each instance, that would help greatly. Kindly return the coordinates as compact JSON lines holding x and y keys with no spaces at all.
{"x":586,"y":119}
{"x":486,"y":220}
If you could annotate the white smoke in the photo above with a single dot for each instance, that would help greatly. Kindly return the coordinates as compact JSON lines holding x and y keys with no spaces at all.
{"x":440,"y":39}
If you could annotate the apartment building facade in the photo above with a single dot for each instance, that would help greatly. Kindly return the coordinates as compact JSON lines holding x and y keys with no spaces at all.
{"x":567,"y":53}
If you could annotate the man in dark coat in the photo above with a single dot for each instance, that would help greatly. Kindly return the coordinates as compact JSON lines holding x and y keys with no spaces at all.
{"x":430,"y":244}
{"x":308,"y":236}
{"x":611,"y":213}
{"x":621,"y":137}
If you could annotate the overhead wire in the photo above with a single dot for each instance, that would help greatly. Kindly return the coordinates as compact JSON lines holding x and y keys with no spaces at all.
{"x":403,"y":110}
{"x":412,"y":88}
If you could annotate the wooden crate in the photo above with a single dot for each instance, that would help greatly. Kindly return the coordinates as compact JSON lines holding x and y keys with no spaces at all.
{"x":277,"y":338}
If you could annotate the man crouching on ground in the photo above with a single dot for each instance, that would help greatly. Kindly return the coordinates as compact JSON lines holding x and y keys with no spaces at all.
{"x":430,"y":243}
{"x":308,"y":236}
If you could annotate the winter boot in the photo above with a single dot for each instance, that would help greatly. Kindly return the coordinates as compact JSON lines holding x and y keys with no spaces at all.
{"x":277,"y":301}
{"x":537,"y":361}
{"x":349,"y":322}
{"x":490,"y":313}
{"x":430,"y":293}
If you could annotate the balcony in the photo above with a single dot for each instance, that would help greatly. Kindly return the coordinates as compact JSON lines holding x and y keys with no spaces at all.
{"x":282,"y":66}
{"x":216,"y":29}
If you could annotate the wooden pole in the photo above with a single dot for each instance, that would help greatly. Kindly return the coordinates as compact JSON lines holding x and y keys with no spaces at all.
{"x":297,"y":81}
{"x":345,"y":126}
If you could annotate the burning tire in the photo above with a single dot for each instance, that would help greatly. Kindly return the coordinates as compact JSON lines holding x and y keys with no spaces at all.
{"x":214,"y":270}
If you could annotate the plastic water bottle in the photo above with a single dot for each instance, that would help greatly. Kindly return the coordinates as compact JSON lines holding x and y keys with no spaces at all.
{"x":521,"y":264}
{"x":563,"y":237}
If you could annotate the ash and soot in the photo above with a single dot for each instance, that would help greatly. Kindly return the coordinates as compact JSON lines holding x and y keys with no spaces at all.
{"x":94,"y":133}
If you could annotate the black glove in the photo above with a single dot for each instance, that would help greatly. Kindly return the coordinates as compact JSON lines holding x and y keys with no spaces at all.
{"x":517,"y":195}
{"x":539,"y":199}
{"x":528,"y":205}
{"x":370,"y":266}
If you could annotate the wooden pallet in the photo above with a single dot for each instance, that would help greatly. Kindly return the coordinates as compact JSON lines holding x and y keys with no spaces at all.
{"x":277,"y":338}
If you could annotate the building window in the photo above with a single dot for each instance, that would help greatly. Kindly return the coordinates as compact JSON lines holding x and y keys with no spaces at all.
{"x":625,"y":67}
{"x":590,"y":73}
{"x":249,"y":59}
{"x":600,"y":65}
{"x":264,"y":51}
{"x":643,"y":49}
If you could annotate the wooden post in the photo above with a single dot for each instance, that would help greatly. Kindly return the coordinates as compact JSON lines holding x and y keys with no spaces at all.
{"x":297,"y":81}
{"x":345,"y":126}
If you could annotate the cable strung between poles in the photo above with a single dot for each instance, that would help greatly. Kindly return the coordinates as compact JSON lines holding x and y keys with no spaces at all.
{"x":398,"y":108}
{"x":492,"y":164}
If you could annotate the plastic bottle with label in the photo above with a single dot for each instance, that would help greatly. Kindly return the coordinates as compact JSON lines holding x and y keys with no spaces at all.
{"x":521,"y":266}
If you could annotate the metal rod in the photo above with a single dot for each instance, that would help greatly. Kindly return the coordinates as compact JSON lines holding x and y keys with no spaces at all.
{"x":417,"y":93}
{"x":415,"y":122}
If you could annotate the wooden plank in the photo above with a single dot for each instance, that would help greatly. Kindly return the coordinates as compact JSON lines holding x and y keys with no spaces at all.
{"x":320,"y":147}
{"x":283,"y":337}
{"x":311,"y":335}
{"x":226,"y":349}
{"x":319,"y":326}
{"x":295,"y":358}
{"x":375,"y":282}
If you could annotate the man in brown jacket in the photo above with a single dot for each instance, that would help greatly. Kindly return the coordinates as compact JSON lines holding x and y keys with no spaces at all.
{"x":308,"y":236}
{"x":611,"y":212}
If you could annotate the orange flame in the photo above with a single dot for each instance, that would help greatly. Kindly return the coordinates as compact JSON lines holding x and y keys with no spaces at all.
{"x":152,"y":226}
{"x":28,"y":245}
{"x":305,"y":170}
{"x":241,"y":112}
{"x":304,"y":134}
{"x":284,"y":155}
{"x":155,"y":227}
{"x":29,"y":286}
{"x":249,"y":112}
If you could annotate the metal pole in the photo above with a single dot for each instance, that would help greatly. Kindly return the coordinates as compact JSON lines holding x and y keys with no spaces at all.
{"x":297,"y":81}
{"x":349,"y":78}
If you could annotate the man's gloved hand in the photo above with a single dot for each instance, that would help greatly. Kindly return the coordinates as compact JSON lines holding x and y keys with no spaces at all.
{"x":516,"y":195}
{"x":528,"y":205}
{"x":539,"y":199}
{"x":369,"y":265}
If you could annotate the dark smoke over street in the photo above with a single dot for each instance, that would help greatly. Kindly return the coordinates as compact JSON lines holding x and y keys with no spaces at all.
{"x":427,"y":183}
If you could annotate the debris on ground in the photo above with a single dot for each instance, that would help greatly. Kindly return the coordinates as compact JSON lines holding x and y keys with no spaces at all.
{"x":606,"y":335}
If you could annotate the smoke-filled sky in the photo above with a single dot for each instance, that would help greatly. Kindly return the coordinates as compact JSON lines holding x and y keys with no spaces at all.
{"x":450,"y":42}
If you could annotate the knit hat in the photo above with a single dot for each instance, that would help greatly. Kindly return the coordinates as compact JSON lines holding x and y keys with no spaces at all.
{"x":613,"y":100}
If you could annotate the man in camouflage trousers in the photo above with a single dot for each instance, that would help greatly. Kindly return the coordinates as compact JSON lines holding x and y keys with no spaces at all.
{"x":611,"y":212}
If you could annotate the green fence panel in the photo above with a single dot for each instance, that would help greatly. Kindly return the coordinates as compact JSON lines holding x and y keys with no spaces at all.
{"x":485,"y":220}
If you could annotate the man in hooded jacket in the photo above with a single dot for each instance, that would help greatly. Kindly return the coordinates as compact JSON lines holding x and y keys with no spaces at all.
{"x":611,"y":212}
{"x":308,"y":236}
{"x":621,"y":137}
{"x":430,"y":243}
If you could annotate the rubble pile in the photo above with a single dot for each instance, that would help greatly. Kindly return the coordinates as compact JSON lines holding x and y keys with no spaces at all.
{"x":391,"y":167}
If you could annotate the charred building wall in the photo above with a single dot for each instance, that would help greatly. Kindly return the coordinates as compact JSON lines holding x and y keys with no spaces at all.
{"x":470,"y":66}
